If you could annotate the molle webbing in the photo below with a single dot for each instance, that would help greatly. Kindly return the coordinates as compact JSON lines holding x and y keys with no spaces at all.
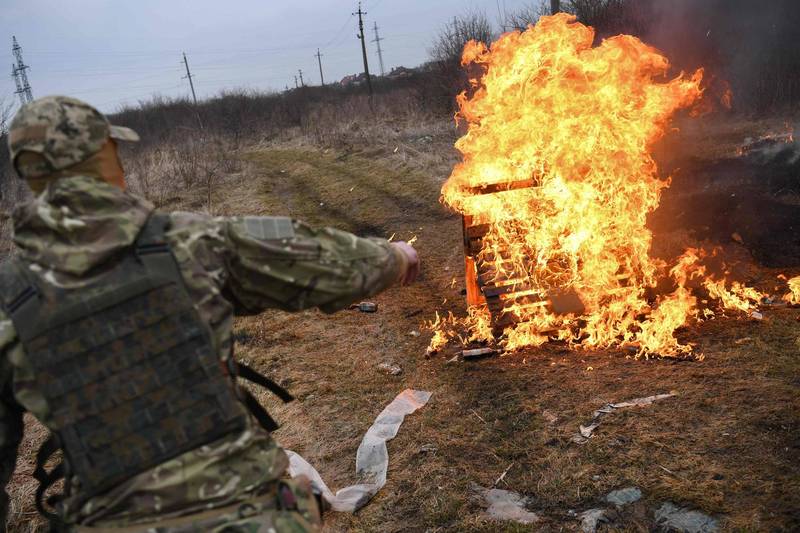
{"x":126,"y":365}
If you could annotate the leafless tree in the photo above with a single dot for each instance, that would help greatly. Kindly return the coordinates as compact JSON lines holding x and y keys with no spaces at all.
{"x":449,"y":43}
{"x":12,"y":190}
{"x":606,"y":16}
{"x":526,"y":15}
{"x":611,"y":17}
{"x":6,"y":106}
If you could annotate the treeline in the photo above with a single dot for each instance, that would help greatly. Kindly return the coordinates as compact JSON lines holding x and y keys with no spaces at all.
{"x":250,"y":115}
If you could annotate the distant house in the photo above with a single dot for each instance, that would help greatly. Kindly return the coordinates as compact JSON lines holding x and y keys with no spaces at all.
{"x":354,"y":80}
{"x":398,"y":73}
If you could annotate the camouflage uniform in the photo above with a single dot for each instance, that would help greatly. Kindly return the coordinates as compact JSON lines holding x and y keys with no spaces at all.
{"x":239,"y":265}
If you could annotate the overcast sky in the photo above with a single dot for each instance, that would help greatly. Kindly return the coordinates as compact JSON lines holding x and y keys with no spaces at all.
{"x":114,"y":52}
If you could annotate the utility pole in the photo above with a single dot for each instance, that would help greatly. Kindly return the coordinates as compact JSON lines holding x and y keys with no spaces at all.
{"x":302,"y":83}
{"x":295,"y":83}
{"x":555,"y":6}
{"x":19,"y":74}
{"x":189,"y":75}
{"x":378,"y":40}
{"x":319,"y":60}
{"x":363,"y":45}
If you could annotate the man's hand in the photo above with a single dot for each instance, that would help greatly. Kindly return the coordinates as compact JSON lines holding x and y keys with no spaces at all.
{"x":412,"y":262}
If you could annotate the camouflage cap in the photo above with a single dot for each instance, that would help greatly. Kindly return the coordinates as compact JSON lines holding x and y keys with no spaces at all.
{"x":63,"y":130}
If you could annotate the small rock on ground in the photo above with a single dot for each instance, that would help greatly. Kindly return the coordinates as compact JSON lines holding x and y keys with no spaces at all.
{"x":670,"y":517}
{"x":550,"y":417}
{"x":428,"y":448}
{"x":624,"y":496}
{"x":589,"y":519}
{"x":390,"y":368}
{"x":506,"y":505}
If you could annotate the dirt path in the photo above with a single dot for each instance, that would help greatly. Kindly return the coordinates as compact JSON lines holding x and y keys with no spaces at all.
{"x":726,"y":445}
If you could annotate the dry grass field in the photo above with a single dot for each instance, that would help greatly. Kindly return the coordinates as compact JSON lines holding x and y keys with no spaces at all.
{"x":728,"y":443}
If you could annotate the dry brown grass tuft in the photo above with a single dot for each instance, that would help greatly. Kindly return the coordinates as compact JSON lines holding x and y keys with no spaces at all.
{"x":22,"y":514}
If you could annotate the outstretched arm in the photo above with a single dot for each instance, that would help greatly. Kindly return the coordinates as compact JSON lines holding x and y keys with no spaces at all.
{"x":287,"y":264}
{"x":277,"y":262}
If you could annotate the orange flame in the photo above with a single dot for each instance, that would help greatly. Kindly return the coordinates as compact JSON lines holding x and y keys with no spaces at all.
{"x":793,"y":297}
{"x":576,"y":123}
{"x":477,"y":322}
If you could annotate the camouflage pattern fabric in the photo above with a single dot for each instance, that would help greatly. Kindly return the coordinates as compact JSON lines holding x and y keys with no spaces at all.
{"x":64,"y":131}
{"x":53,"y":230}
{"x":120,"y":413}
{"x":239,"y":265}
{"x":288,"y":506}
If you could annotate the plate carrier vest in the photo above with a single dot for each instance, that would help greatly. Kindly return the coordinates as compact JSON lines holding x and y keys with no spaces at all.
{"x":127,"y":368}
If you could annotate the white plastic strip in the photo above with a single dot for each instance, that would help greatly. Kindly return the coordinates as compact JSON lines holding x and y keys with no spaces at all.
{"x":585,"y":431}
{"x":372,"y":457}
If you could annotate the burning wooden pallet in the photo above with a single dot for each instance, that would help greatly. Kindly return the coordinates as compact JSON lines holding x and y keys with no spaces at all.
{"x":511,"y":287}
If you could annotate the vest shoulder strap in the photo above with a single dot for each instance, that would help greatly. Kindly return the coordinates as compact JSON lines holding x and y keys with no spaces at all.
{"x":153,"y":250}
{"x":20,"y":296}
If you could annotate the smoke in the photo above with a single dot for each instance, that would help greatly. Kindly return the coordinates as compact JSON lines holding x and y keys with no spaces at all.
{"x":773,"y":149}
{"x":751,"y":44}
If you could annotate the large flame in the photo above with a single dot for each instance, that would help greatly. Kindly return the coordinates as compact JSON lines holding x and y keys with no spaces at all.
{"x":793,"y":296}
{"x":574,"y":123}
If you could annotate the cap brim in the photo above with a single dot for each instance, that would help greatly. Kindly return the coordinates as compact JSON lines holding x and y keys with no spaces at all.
{"x":121,"y":133}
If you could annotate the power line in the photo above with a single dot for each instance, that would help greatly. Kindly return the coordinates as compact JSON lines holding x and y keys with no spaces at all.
{"x":339,"y":32}
{"x":161,"y":52}
{"x":239,"y":81}
{"x":501,"y":16}
{"x":378,"y":40}
{"x":106,"y":89}
{"x":20,"y":76}
{"x":144,"y":95}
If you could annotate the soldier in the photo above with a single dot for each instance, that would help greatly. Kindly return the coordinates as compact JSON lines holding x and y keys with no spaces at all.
{"x":115,"y":332}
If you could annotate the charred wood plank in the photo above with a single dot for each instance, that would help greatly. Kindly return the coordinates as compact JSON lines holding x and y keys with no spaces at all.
{"x":476,"y":232}
{"x":506,"y":289}
{"x":491,"y":188}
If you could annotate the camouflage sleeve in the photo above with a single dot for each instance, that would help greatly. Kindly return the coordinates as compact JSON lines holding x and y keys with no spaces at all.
{"x":11,"y":425}
{"x":283,"y":263}
{"x":277,"y":262}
